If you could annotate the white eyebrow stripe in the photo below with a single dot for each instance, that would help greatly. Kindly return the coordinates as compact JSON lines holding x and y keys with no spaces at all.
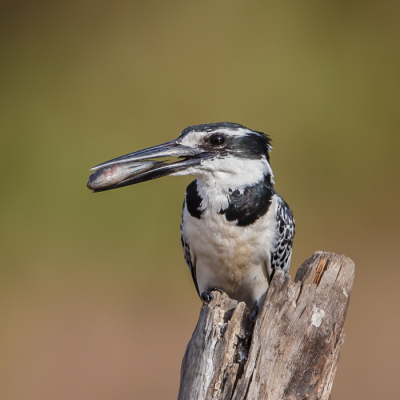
{"x":236,"y":132}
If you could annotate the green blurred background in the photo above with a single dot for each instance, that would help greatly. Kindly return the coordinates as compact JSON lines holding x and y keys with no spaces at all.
{"x":95,"y":299}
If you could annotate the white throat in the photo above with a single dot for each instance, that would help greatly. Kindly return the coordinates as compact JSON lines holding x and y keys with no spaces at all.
{"x":217,"y":178}
{"x":232,"y":172}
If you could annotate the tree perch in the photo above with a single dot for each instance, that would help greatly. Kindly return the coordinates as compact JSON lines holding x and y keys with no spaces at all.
{"x":290,"y":352}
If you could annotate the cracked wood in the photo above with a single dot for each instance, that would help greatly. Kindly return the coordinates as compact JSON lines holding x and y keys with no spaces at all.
{"x":290,"y":352}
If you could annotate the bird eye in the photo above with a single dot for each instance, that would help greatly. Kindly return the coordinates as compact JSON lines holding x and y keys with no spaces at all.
{"x":217,"y":140}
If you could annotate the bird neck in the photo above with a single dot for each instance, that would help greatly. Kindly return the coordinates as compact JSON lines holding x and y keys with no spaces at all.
{"x":233,"y":173}
{"x":217,"y":194}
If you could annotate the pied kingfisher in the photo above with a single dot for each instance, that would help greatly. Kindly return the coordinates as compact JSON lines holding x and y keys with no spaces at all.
{"x":235,"y":229}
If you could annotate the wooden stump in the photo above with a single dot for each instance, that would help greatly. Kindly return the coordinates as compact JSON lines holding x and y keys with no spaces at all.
{"x":290,"y":352}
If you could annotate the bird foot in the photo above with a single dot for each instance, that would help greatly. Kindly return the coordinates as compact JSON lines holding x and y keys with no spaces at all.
{"x":206,"y":297}
{"x":254,"y":312}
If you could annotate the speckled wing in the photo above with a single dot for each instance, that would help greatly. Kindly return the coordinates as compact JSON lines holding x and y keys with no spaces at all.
{"x":189,"y":258}
{"x":282,"y":254}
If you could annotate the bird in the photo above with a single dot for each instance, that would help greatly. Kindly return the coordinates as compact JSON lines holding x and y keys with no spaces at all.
{"x":236,"y":230}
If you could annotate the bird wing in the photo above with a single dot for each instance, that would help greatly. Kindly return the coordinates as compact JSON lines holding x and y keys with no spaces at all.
{"x":282,"y":253}
{"x":189,"y":257}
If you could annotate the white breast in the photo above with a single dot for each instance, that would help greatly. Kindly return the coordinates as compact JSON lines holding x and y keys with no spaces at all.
{"x":229,"y":257}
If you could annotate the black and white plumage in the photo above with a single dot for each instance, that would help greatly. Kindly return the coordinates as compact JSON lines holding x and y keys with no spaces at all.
{"x":282,"y":254}
{"x":235,"y":229}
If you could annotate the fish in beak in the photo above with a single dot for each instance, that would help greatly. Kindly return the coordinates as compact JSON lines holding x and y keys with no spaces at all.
{"x":141,"y":166}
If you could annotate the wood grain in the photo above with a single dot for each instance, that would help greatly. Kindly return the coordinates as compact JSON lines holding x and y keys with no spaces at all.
{"x":290,"y":352}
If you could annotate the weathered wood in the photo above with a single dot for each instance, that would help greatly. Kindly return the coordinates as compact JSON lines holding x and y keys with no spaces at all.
{"x":291,"y":352}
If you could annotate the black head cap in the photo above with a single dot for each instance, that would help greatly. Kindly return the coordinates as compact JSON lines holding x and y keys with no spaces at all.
{"x":248,"y":144}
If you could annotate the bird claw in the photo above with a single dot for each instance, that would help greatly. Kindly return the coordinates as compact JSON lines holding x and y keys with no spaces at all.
{"x":206,"y":297}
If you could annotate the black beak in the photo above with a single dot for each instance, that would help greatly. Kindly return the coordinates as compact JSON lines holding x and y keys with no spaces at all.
{"x":140,"y":166}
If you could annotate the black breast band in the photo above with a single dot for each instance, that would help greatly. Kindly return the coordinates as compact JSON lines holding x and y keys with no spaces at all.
{"x":253,"y":203}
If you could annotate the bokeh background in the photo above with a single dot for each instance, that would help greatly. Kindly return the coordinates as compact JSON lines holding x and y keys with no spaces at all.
{"x":95,"y":299}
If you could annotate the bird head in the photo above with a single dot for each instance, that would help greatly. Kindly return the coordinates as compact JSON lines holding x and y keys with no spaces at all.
{"x":221,"y":153}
